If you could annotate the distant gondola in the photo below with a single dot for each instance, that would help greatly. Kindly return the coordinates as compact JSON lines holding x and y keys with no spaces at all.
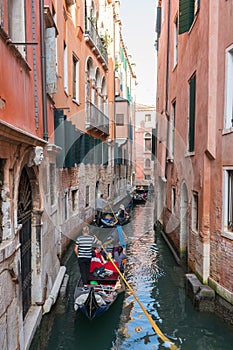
{"x":110,"y":220}
{"x":140,"y":195}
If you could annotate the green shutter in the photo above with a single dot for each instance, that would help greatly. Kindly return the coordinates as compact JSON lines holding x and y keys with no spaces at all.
{"x":116,"y":153}
{"x":158,"y":21}
{"x":105,"y":153}
{"x":186,"y":15}
{"x":98,"y":151}
{"x":192,"y":98}
{"x":59,"y":135}
{"x":153,"y":144}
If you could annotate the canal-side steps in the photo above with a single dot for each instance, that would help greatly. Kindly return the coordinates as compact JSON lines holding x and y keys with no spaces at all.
{"x":201,"y":295}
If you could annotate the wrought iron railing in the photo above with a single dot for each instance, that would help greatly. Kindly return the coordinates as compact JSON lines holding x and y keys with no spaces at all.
{"x":92,"y":32}
{"x":96,"y":119}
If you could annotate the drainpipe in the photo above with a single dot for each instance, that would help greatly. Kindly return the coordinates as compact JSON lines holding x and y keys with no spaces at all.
{"x":43,"y":72}
{"x":35,"y":66}
{"x":167,"y":82}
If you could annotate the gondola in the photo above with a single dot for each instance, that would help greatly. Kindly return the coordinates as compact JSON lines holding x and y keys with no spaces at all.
{"x":104,"y":286}
{"x":140,"y":195}
{"x":110,"y":220}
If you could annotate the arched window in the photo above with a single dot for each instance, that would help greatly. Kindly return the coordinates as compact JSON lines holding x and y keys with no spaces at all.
{"x":89,"y":77}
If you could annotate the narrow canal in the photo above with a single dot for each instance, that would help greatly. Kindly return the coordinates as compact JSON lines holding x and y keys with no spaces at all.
{"x":158,"y":282}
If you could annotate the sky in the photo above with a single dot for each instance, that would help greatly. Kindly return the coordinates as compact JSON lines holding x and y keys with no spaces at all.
{"x":138,"y":27}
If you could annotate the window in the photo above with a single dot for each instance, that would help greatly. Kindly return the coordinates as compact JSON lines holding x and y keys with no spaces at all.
{"x":154,"y":144}
{"x":147,"y":163}
{"x":195,"y":212}
{"x":65,"y":69}
{"x":192,"y":98}
{"x":1,"y":13}
{"x":52,"y":179}
{"x":175,"y":42}
{"x":172,"y":132}
{"x":147,"y":117}
{"x":2,"y":162}
{"x":229,"y":89}
{"x":147,"y":142}
{"x":173,"y":199}
{"x":87,"y":196}
{"x":147,"y":177}
{"x":74,"y":195}
{"x":16,"y":23}
{"x":51,"y":59}
{"x":66,"y":204}
{"x":75,"y":78}
{"x":188,"y":9}
{"x":120,"y":119}
{"x":228,"y":200}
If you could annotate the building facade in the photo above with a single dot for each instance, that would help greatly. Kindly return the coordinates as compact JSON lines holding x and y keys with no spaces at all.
{"x":194,"y":136}
{"x":144,"y":144}
{"x":57,"y":145}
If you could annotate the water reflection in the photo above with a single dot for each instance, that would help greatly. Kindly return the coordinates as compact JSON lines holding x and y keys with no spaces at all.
{"x":159,"y":284}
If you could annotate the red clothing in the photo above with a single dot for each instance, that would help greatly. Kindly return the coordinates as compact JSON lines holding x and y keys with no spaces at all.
{"x":99,"y":256}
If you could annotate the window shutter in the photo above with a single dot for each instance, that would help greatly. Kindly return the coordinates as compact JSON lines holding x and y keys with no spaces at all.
{"x":105,"y":153}
{"x":186,"y":15}
{"x":69,"y":162}
{"x":98,"y":151}
{"x":158,"y":21}
{"x":192,"y":98}
{"x":50,"y":43}
{"x":59,"y":135}
{"x":153,"y":144}
{"x":116,"y":153}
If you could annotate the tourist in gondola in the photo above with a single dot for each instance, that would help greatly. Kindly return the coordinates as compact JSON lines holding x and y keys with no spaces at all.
{"x":98,"y":254}
{"x":121,"y":214}
{"x":120,"y":258}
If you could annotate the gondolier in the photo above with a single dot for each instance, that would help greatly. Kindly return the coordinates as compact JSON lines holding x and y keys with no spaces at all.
{"x":83,"y":250}
{"x":100,"y":205}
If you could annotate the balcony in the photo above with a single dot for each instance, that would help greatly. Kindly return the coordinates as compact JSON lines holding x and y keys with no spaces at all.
{"x":96,"y":120}
{"x":94,"y":41}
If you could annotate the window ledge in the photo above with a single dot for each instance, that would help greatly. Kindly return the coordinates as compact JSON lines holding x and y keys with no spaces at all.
{"x":76,"y":102}
{"x":227,"y":131}
{"x":189,"y":154}
{"x":174,"y":67}
{"x":228,"y":234}
{"x":194,"y":232}
{"x":13,"y":48}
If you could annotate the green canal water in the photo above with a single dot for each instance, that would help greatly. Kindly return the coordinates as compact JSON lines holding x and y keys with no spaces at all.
{"x":158,"y":282}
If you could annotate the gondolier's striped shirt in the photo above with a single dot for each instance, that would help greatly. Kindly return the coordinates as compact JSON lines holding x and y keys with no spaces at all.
{"x":85,"y":246}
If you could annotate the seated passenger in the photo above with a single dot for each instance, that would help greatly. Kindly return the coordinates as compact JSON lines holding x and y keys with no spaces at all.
{"x":120,"y":258}
{"x":98,"y":255}
{"x":122,"y":213}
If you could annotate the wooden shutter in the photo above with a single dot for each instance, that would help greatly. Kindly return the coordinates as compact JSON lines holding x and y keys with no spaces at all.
{"x":105,"y":153}
{"x":153,"y":144}
{"x":186,"y":15}
{"x":192,"y":98}
{"x":59,"y":135}
{"x":51,"y":77}
{"x":158,"y":21}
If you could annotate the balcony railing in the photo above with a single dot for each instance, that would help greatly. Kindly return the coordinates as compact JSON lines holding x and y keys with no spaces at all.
{"x":95,"y":119}
{"x":95,"y":40}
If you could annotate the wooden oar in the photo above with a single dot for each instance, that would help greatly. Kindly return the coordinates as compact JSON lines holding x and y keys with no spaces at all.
{"x":171,"y":345}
